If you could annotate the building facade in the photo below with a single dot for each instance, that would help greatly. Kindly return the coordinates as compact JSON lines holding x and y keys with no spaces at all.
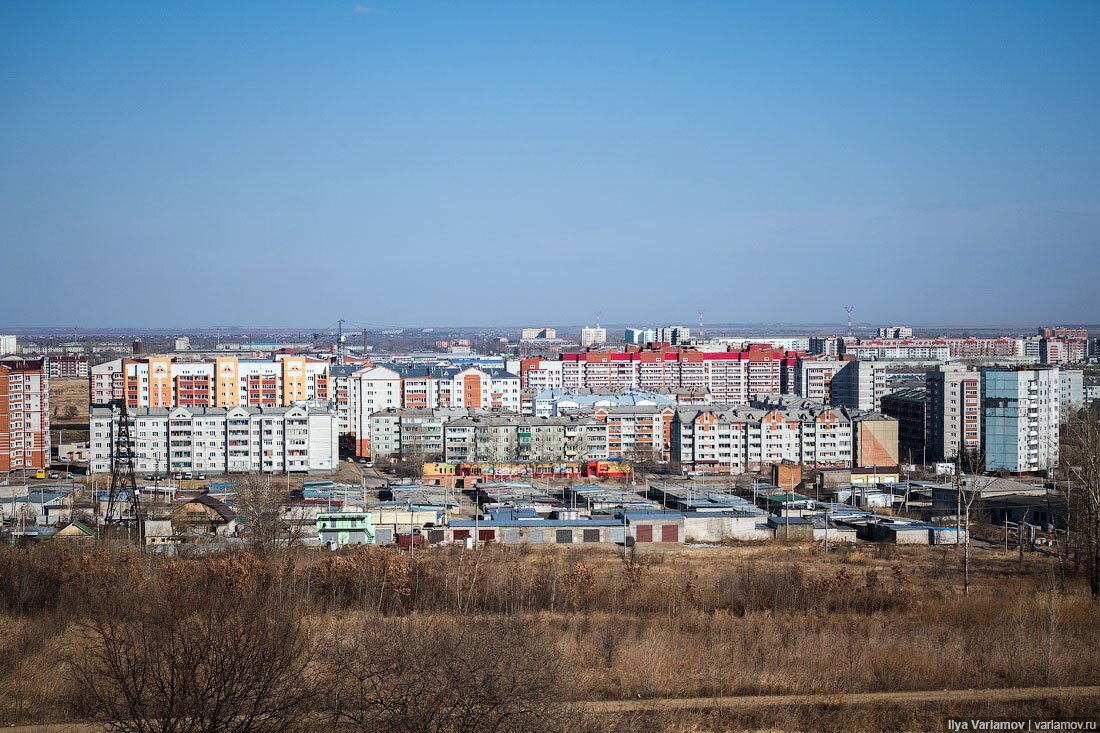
{"x":954,"y":412}
{"x":505,"y":439}
{"x":1021,"y":412}
{"x":225,"y":381}
{"x":68,"y":366}
{"x":295,"y":439}
{"x":910,"y":408}
{"x":859,"y":385}
{"x":24,"y":414}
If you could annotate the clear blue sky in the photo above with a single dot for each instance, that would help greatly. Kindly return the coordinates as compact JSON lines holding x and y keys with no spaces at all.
{"x":465,"y":163}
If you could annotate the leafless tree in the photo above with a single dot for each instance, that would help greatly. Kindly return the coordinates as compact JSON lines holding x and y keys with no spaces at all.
{"x":260,"y":503}
{"x":970,"y":489}
{"x":190,"y":660}
{"x":1081,"y":461}
{"x":415,"y":674}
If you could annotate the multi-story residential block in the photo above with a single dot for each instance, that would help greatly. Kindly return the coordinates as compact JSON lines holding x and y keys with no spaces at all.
{"x":859,"y":384}
{"x":382,"y":387}
{"x":812,"y":377}
{"x":538,"y":334}
{"x":24,"y":414}
{"x":1021,"y":411}
{"x":511,"y":439}
{"x":1061,"y":332}
{"x":8,"y":344}
{"x":895,"y":332}
{"x":731,"y":377}
{"x":68,"y":366}
{"x":593,"y":336}
{"x":340,"y":393}
{"x":298,"y":439}
{"x":637,"y":432}
{"x":734,"y":440}
{"x":954,"y":412}
{"x":1072,"y":386}
{"x":225,"y":381}
{"x":554,"y":402}
{"x":1063,"y":350}
{"x":410,"y":433}
{"x":640,"y":336}
{"x":673,"y":335}
{"x":910,"y":408}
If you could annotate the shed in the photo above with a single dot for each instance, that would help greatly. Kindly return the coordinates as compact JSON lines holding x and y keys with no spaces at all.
{"x":793,"y":529}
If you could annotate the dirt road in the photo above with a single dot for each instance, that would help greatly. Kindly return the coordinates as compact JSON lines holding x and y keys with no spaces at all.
{"x":746,"y":701}
{"x":856,"y":698}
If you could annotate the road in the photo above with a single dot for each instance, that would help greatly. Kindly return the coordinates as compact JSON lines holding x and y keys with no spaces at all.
{"x":746,"y":702}
{"x":856,"y":698}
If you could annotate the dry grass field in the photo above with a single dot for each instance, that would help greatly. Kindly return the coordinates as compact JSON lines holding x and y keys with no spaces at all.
{"x":69,"y":409}
{"x":553,"y":629}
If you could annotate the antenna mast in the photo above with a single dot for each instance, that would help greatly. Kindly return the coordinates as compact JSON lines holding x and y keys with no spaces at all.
{"x":849,"y":309}
{"x":701,"y":312}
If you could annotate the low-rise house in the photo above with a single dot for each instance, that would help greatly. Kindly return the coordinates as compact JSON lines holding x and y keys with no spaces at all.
{"x":204,"y":515}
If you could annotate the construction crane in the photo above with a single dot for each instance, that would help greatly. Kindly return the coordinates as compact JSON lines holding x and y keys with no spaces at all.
{"x":123,"y":498}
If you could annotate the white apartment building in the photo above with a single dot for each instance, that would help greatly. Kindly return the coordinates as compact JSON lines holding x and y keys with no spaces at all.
{"x":1021,"y":413}
{"x":410,"y":432}
{"x":8,"y":344}
{"x":296,"y":439}
{"x":860,"y":385}
{"x":376,"y":388}
{"x":738,"y":439}
{"x":813,"y":378}
{"x":593,"y":336}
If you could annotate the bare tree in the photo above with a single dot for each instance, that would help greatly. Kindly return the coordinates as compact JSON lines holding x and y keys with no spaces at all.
{"x":416,"y":674}
{"x":260,"y":504}
{"x":191,"y":661}
{"x":969,"y":491}
{"x":1081,"y":461}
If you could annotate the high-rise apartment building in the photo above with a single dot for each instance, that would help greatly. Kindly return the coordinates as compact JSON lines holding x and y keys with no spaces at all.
{"x":24,"y":414}
{"x":813,"y":377}
{"x":593,"y":336}
{"x":1021,"y":411}
{"x":640,"y":336}
{"x":225,"y":381}
{"x":895,"y":332}
{"x":859,"y":384}
{"x":910,"y":408}
{"x":954,"y":412}
{"x":8,"y":344}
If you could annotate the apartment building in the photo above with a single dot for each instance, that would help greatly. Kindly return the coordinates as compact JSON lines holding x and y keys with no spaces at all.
{"x":298,"y":439}
{"x":560,"y":402}
{"x":68,"y":366}
{"x":593,"y":336}
{"x":732,"y":440}
{"x":508,"y":439}
{"x":8,"y":344}
{"x":910,"y":408}
{"x":388,"y":386}
{"x":640,"y":336}
{"x":731,"y":377}
{"x":1072,"y":386}
{"x":1021,"y":410}
{"x":859,"y":385}
{"x":895,"y":332}
{"x":24,"y":414}
{"x":637,"y":432}
{"x":410,"y":433}
{"x":225,"y":381}
{"x":813,"y":376}
{"x":1063,"y":350}
{"x":954,"y":411}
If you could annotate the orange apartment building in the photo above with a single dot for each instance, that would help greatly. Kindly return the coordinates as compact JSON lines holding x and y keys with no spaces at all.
{"x":225,"y":381}
{"x":24,"y":414}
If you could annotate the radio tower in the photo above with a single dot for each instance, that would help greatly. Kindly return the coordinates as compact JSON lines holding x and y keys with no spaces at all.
{"x":123,"y":493}
{"x":849,"y":308}
{"x":701,"y":312}
{"x":599,"y":314}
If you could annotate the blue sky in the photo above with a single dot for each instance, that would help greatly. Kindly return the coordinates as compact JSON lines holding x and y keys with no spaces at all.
{"x":454,"y":163}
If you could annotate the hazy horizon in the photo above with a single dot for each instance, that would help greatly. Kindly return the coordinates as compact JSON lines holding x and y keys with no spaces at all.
{"x":412,"y":162}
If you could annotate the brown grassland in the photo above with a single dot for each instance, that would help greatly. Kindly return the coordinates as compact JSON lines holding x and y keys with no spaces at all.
{"x":514,"y":638}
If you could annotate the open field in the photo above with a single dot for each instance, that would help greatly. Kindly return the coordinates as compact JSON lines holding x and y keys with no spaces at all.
{"x":742,"y":637}
{"x":69,"y":409}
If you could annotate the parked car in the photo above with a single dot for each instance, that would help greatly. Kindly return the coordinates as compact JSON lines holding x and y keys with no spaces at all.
{"x":188,"y":476}
{"x":55,"y":475}
{"x":201,"y":477}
